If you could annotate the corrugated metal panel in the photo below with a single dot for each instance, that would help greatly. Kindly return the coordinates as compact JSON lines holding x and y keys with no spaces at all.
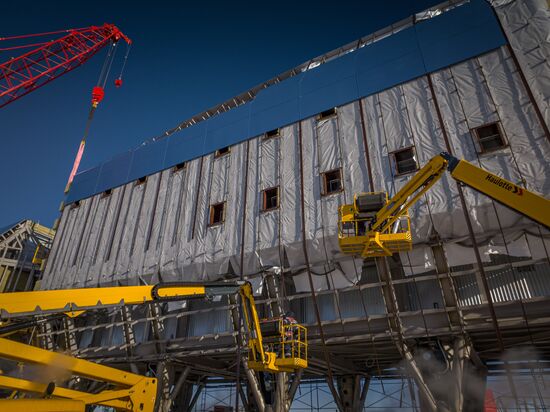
{"x":430,"y":295}
{"x":208,"y":322}
{"x":537,"y":278}
{"x":374,"y":301}
{"x":506,"y":284}
{"x":467,"y":290}
{"x":351,"y":305}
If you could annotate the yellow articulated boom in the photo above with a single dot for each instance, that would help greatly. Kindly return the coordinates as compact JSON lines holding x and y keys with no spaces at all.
{"x":375,"y":226}
{"x":284,"y":351}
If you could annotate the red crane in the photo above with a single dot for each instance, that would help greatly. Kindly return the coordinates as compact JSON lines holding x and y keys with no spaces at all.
{"x":26,"y":73}
{"x":52,"y":59}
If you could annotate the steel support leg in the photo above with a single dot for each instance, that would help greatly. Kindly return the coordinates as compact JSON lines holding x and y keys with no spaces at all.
{"x":352,"y":393}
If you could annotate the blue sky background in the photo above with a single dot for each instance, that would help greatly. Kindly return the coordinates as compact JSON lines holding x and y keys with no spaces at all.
{"x":186,"y":57}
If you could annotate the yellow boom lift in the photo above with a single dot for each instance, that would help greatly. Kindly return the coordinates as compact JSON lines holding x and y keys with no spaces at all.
{"x":128,"y":391}
{"x":375,"y":226}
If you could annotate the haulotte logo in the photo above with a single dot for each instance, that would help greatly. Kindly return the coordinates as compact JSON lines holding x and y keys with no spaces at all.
{"x":504,"y":184}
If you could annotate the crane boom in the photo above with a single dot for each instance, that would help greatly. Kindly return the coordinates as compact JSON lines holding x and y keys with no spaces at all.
{"x":374,"y":226}
{"x":26,"y":73}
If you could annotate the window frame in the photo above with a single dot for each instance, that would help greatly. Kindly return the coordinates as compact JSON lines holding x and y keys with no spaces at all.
{"x":211,"y":223}
{"x":325,"y":182}
{"x":218,"y":154}
{"x":264,"y":199}
{"x":272,"y":134}
{"x":141,"y":181}
{"x":394,"y":162}
{"x":179,"y":167}
{"x":106,"y":193}
{"x":479,"y":147}
{"x":324,"y":115}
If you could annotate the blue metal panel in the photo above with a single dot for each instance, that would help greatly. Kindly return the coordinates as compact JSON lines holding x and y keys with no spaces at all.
{"x":336,"y":94}
{"x":328,"y":73}
{"x":274,"y":117}
{"x":83,"y":184}
{"x":462,"y":33}
{"x":282,"y":92}
{"x":148,"y":159}
{"x":114,"y":172}
{"x":458,"y":35}
{"x":227,"y":128}
{"x":275,"y":106}
{"x":388,"y":62}
{"x":186,"y":145}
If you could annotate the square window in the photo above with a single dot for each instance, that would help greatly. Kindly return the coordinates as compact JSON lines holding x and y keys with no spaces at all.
{"x":404,"y":161}
{"x":222,"y":152}
{"x":272,"y":133}
{"x":327,"y":113}
{"x":332,"y":182}
{"x":270,"y":199}
{"x":106,"y":193}
{"x":141,"y":180}
{"x":179,"y":167}
{"x":489,"y":137}
{"x":217,"y":213}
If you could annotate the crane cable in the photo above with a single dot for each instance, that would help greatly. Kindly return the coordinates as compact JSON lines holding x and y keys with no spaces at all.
{"x":97,"y":96}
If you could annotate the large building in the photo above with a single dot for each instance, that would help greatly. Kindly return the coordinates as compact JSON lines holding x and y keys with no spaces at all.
{"x":251,"y":188}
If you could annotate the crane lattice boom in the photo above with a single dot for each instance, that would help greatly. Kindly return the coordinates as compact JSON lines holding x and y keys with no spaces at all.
{"x":21,"y":75}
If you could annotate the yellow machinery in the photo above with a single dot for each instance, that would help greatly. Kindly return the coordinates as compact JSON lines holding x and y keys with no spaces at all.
{"x":285,"y":352}
{"x":376,"y":226}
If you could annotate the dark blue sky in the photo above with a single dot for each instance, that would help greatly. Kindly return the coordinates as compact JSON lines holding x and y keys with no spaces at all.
{"x":186,"y":57}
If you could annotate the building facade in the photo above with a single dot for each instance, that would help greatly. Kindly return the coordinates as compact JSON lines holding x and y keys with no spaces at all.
{"x":252,"y":188}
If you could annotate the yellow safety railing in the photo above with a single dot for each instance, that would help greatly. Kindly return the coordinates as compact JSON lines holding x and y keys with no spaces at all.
{"x":294,"y":341}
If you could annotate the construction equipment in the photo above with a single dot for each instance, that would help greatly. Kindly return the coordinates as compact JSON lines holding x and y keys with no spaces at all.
{"x":51,"y":59}
{"x":129,"y":391}
{"x":54,"y":58}
{"x":375,"y":226}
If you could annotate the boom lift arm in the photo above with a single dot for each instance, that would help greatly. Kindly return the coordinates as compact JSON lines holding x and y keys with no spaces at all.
{"x":132,"y":392}
{"x":375,"y":226}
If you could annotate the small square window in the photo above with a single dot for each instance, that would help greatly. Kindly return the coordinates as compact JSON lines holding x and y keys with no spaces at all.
{"x":270,"y":199}
{"x":327,"y":113}
{"x":106,"y":193}
{"x":222,"y":152}
{"x":179,"y":167}
{"x":141,"y":180}
{"x":489,"y":137}
{"x":76,"y":205}
{"x":332,"y":182}
{"x":404,"y":161}
{"x":272,"y":133}
{"x":217,"y":213}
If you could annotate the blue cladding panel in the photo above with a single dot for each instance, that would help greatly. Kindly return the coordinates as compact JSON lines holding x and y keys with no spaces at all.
{"x":83,"y":185}
{"x":470,"y":30}
{"x":148,"y":159}
{"x":405,"y":68}
{"x":275,"y":106}
{"x":227,"y":128}
{"x":283,"y":92}
{"x":464,"y":32}
{"x":186,"y":145}
{"x":114,"y":172}
{"x":333,"y":72}
{"x":386,"y":63}
{"x":336,"y":94}
{"x":274,"y":117}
